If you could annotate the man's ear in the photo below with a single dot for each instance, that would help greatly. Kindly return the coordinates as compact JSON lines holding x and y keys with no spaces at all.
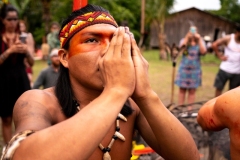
{"x":63,"y":56}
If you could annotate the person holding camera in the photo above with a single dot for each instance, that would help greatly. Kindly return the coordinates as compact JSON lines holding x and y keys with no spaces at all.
{"x":13,"y":76}
{"x":189,"y":72}
{"x":26,"y":37}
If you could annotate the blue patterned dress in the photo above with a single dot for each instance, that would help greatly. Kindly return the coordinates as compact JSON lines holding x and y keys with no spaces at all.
{"x":189,"y":73}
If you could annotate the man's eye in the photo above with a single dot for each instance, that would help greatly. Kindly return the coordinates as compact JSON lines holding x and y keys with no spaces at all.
{"x":92,"y":40}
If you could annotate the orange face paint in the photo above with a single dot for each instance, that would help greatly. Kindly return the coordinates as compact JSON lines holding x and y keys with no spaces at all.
{"x":95,"y":38}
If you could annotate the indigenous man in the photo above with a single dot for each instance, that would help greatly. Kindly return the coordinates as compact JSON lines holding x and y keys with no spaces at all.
{"x":220,"y":113}
{"x":102,"y":74}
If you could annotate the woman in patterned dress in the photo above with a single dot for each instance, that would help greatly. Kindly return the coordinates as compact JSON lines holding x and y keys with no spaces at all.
{"x":189,"y":72}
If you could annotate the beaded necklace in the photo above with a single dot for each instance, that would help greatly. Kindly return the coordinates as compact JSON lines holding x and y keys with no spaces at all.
{"x":117,"y":134}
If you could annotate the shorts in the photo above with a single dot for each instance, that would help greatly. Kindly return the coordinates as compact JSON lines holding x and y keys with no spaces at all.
{"x":222,"y":77}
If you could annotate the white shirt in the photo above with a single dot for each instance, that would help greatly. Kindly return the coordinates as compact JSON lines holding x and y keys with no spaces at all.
{"x":232,"y":51}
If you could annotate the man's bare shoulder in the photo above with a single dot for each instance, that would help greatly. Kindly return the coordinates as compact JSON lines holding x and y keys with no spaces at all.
{"x":38,"y":96}
{"x":36,"y":109}
{"x":230,"y":98}
{"x":227,"y":106}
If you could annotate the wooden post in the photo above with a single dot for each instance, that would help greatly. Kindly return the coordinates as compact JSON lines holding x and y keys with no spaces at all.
{"x":143,"y":17}
{"x":77,"y":4}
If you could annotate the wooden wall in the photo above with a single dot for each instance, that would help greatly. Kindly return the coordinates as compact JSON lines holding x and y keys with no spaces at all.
{"x":177,"y":25}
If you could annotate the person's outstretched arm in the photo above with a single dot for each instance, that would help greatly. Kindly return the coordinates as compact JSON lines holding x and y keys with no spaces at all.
{"x":160,"y":129}
{"x":220,"y":112}
{"x":18,"y":47}
{"x":223,"y":112}
{"x":215,"y":46}
{"x":40,"y":80}
{"x":65,"y":140}
{"x":201,"y":44}
{"x":208,"y":118}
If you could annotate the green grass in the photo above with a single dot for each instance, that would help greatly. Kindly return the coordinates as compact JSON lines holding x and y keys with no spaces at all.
{"x":161,"y":73}
{"x":37,"y":67}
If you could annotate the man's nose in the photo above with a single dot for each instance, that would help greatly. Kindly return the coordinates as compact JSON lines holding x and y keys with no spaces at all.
{"x":105,"y":47}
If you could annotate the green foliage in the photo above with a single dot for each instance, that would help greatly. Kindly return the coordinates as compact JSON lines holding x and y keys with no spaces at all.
{"x":33,"y":14}
{"x":158,"y":9}
{"x":20,"y":6}
{"x":230,"y":9}
{"x":124,"y":12}
{"x":1,"y":3}
{"x":38,"y":34}
{"x":63,"y":9}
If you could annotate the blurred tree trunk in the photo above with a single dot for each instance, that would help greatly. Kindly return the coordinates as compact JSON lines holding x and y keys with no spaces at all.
{"x":46,"y":17}
{"x":161,"y":35}
{"x":140,"y":44}
{"x":157,"y":10}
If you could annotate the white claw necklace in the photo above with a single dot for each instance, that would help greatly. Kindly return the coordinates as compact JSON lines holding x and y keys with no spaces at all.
{"x":117,"y":134}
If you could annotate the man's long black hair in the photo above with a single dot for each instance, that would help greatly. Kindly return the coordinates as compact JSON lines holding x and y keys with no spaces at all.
{"x":63,"y":89}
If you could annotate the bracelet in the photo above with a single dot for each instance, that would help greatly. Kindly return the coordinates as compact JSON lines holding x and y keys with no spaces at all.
{"x":3,"y":57}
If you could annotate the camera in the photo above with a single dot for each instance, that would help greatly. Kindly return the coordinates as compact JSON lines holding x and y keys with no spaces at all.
{"x":193,"y":29}
{"x":23,"y":38}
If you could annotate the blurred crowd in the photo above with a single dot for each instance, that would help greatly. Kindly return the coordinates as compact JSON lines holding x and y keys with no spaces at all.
{"x":17,"y":58}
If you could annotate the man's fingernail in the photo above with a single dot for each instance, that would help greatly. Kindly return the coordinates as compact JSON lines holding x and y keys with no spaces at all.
{"x":126,"y":29}
{"x":132,"y":35}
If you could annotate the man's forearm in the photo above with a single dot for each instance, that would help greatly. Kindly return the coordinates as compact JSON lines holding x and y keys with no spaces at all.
{"x":168,"y":131}
{"x":202,"y":47}
{"x":207,"y":117}
{"x":4,"y":56}
{"x":94,"y":121}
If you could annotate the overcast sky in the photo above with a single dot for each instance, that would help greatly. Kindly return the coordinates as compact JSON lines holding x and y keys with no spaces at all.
{"x":200,"y":4}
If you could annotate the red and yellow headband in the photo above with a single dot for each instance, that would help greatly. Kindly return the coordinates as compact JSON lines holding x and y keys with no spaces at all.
{"x":83,"y":21}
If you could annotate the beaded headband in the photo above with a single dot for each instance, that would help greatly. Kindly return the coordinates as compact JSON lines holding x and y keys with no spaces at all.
{"x":83,"y":21}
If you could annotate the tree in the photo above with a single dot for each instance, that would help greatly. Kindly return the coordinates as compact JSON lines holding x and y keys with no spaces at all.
{"x":142,"y":30}
{"x":125,"y":12}
{"x":41,"y":13}
{"x":156,"y":11}
{"x":20,"y":6}
{"x":46,"y":16}
{"x":230,"y":9}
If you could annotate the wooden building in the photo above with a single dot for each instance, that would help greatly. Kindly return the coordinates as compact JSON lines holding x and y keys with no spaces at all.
{"x":178,"y":24}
